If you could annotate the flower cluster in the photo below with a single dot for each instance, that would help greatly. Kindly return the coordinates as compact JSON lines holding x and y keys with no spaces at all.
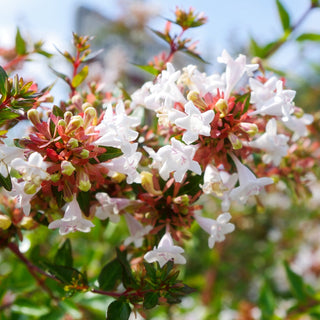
{"x":207,"y":129}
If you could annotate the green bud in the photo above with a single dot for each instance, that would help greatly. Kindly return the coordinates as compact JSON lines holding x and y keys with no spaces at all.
{"x":73,"y":143}
{"x":30,"y":188}
{"x":33,"y":116}
{"x":55,"y":177}
{"x":5,"y":222}
{"x":222,"y":106}
{"x":235,"y":141}
{"x":85,"y":154}
{"x":67,"y":168}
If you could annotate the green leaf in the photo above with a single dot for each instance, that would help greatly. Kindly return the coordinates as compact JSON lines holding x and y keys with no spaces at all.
{"x":66,"y":274}
{"x":80,"y":77}
{"x":83,"y":199}
{"x":57,"y":111}
{"x":255,"y":49}
{"x":63,"y":257}
{"x":315,"y":3}
{"x":118,"y":310}
{"x":127,"y":276}
{"x":150,"y":300}
{"x":60,"y":75}
{"x":109,"y":275}
{"x":6,"y":182}
{"x":194,"y":55}
{"x":284,"y":15}
{"x":164,"y":36}
{"x":309,"y":37}
{"x":150,"y":69}
{"x":266,"y":301}
{"x":109,"y":154}
{"x":21,"y":46}
{"x":3,"y":79}
{"x":296,"y":283}
{"x":92,"y":56}
{"x":151,"y":271}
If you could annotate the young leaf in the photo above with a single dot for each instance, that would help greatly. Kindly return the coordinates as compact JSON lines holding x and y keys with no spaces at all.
{"x":267,"y":302}
{"x":150,"y":300}
{"x":296,"y":283}
{"x":284,"y":16}
{"x":309,"y":37}
{"x":118,"y":310}
{"x":3,"y":79}
{"x":80,"y":77}
{"x":109,"y":275}
{"x":63,"y":257}
{"x":61,"y":75}
{"x":150,"y":69}
{"x":21,"y":46}
{"x":57,"y":111}
{"x":66,"y":274}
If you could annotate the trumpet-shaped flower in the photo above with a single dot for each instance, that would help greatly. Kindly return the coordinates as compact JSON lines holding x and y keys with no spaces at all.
{"x":177,"y":158}
{"x":235,"y":69}
{"x":281,"y":105}
{"x":298,"y":125}
{"x":137,"y":231}
{"x":34,"y":170}
{"x":116,"y":127}
{"x":165,"y":252}
{"x":7,"y":154}
{"x":18,"y":192}
{"x":110,"y":207}
{"x":72,"y":220}
{"x":249,"y":184}
{"x":275,"y":145}
{"x":195,"y":123}
{"x":219,"y":183}
{"x":126,"y":164}
{"x":217,"y":229}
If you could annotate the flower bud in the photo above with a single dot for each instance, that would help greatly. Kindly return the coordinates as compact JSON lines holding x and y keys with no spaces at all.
{"x":235,"y":141}
{"x":84,"y":182}
{"x":67,"y":168}
{"x":222,"y":107}
{"x":73,"y":143}
{"x":118,"y":177}
{"x":86,"y":105}
{"x":298,"y":112}
{"x":85,"y":154}
{"x":184,"y":200}
{"x":67,"y":116}
{"x":89,"y":114}
{"x":55,"y":177}
{"x":27,"y":223}
{"x":147,"y":183}
{"x":194,"y":96}
{"x":250,"y":128}
{"x":30,"y":188}
{"x":75,"y":123}
{"x":33,"y":116}
{"x":62,"y":123}
{"x":5,"y":222}
{"x":76,"y":99}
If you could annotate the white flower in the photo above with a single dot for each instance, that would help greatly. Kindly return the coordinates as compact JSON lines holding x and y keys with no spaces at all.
{"x":298,"y":125}
{"x":165,"y":252}
{"x":177,"y":158}
{"x":72,"y":220}
{"x":126,"y":164}
{"x":262,"y":93}
{"x":249,"y":184}
{"x":116,"y":127}
{"x":281,"y":105}
{"x":34,"y":170}
{"x":216,"y":228}
{"x":235,"y":69}
{"x":275,"y":145}
{"x":137,"y":231}
{"x":23,"y":198}
{"x":195,"y":123}
{"x":7,"y":154}
{"x":219,"y":183}
{"x":165,"y":92}
{"x":110,"y":207}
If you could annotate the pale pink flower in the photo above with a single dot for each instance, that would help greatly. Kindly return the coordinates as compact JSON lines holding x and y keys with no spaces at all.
{"x":72,"y":220}
{"x":165,"y":252}
{"x":217,"y":229}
